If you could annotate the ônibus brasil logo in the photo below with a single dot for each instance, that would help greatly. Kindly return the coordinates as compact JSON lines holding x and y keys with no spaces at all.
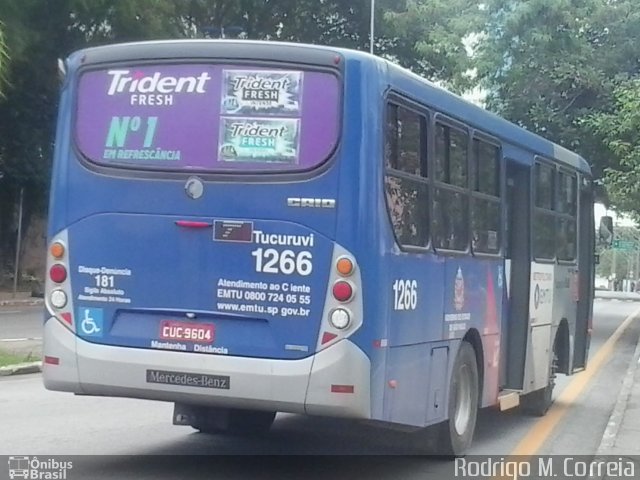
{"x":32,"y":468}
{"x":122,"y":81}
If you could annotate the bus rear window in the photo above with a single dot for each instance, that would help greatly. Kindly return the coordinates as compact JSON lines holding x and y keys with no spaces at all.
{"x":205,"y":117}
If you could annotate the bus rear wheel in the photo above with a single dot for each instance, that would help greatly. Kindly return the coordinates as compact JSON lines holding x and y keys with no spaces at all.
{"x":456,"y":434}
{"x":235,"y":422}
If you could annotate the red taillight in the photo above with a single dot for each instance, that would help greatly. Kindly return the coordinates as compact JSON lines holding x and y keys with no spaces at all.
{"x":342,"y":291}
{"x":51,"y":360}
{"x":58,"y":273}
{"x":342,"y":388}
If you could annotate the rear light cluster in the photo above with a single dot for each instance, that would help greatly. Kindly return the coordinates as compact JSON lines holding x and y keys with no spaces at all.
{"x":342,"y":312}
{"x":343,"y":292}
{"x":58,"y":275}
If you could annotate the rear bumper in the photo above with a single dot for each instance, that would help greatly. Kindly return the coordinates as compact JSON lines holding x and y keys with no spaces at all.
{"x":296,"y":386}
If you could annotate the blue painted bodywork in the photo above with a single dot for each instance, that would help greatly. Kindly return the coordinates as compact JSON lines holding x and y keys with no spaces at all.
{"x":124,"y":222}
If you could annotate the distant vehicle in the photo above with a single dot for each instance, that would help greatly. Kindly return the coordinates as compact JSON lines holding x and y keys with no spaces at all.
{"x":244,"y":228}
{"x":601,"y":283}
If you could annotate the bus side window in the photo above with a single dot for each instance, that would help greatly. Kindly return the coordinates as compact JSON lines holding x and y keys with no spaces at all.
{"x":485,"y":198}
{"x":544,"y":220}
{"x":508,"y":208}
{"x":451,"y":202}
{"x":406,"y":188}
{"x":567,"y":207}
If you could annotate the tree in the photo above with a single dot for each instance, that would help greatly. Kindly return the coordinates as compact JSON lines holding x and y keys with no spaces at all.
{"x":4,"y":58}
{"x":37,"y":34}
{"x":619,"y":131}
{"x":548,"y":64}
{"x":626,"y":262}
{"x":435,"y":38}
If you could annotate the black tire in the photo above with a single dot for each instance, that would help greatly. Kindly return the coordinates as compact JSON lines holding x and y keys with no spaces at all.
{"x":456,"y":434}
{"x":238,"y":422}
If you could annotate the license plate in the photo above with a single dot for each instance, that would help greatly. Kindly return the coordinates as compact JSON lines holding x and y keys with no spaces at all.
{"x":187,"y":332}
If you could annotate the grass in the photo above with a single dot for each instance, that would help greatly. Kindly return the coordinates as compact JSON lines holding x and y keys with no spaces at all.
{"x":7,"y":358}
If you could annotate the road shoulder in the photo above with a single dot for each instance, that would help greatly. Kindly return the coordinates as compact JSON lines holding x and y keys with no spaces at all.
{"x":21,"y":369}
{"x":620,"y":438}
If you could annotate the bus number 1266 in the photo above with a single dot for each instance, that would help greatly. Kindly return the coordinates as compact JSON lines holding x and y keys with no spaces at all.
{"x":286,"y":262}
{"x":405,"y":294}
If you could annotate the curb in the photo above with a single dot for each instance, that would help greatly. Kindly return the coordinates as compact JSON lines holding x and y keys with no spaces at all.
{"x":615,"y":420}
{"x":21,"y":369}
{"x":620,"y":296}
{"x":27,"y":303}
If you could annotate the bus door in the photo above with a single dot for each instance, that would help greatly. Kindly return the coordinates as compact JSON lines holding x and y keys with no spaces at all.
{"x":584,"y":281}
{"x":517,"y":267}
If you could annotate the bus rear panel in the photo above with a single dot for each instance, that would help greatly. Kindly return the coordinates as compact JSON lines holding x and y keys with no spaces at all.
{"x":194,"y":223}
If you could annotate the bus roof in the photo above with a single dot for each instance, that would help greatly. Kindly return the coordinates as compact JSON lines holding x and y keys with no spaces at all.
{"x":452,"y":104}
{"x":476,"y":116}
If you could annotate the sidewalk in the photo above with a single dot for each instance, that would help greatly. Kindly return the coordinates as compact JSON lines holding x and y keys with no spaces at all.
{"x":621,"y":437}
{"x":610,"y":295}
{"x":21,"y":298}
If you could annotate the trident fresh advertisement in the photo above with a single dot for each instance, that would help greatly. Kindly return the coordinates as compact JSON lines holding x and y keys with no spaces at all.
{"x":253,"y":139}
{"x":249,"y":92}
{"x":205,"y":117}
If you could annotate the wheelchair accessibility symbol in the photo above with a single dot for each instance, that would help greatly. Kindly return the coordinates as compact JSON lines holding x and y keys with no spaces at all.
{"x":91,"y":321}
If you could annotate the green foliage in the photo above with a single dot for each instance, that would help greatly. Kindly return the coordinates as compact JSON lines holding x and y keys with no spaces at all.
{"x":435,"y":38}
{"x":549,"y":63}
{"x":9,"y":358}
{"x":4,"y":59}
{"x":626,"y":263}
{"x":37,"y":34}
{"x":619,"y":131}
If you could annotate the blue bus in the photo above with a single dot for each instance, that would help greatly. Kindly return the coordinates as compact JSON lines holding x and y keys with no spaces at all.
{"x":244,"y":228}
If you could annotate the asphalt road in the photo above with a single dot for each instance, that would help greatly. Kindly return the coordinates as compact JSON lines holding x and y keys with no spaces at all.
{"x":34,"y":421}
{"x":21,"y":330}
{"x":21,"y":322}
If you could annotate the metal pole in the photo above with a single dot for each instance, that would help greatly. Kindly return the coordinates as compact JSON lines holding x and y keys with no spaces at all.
{"x":18,"y":245}
{"x":637,"y":266}
{"x":372,"y":26}
{"x":614,"y":267}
